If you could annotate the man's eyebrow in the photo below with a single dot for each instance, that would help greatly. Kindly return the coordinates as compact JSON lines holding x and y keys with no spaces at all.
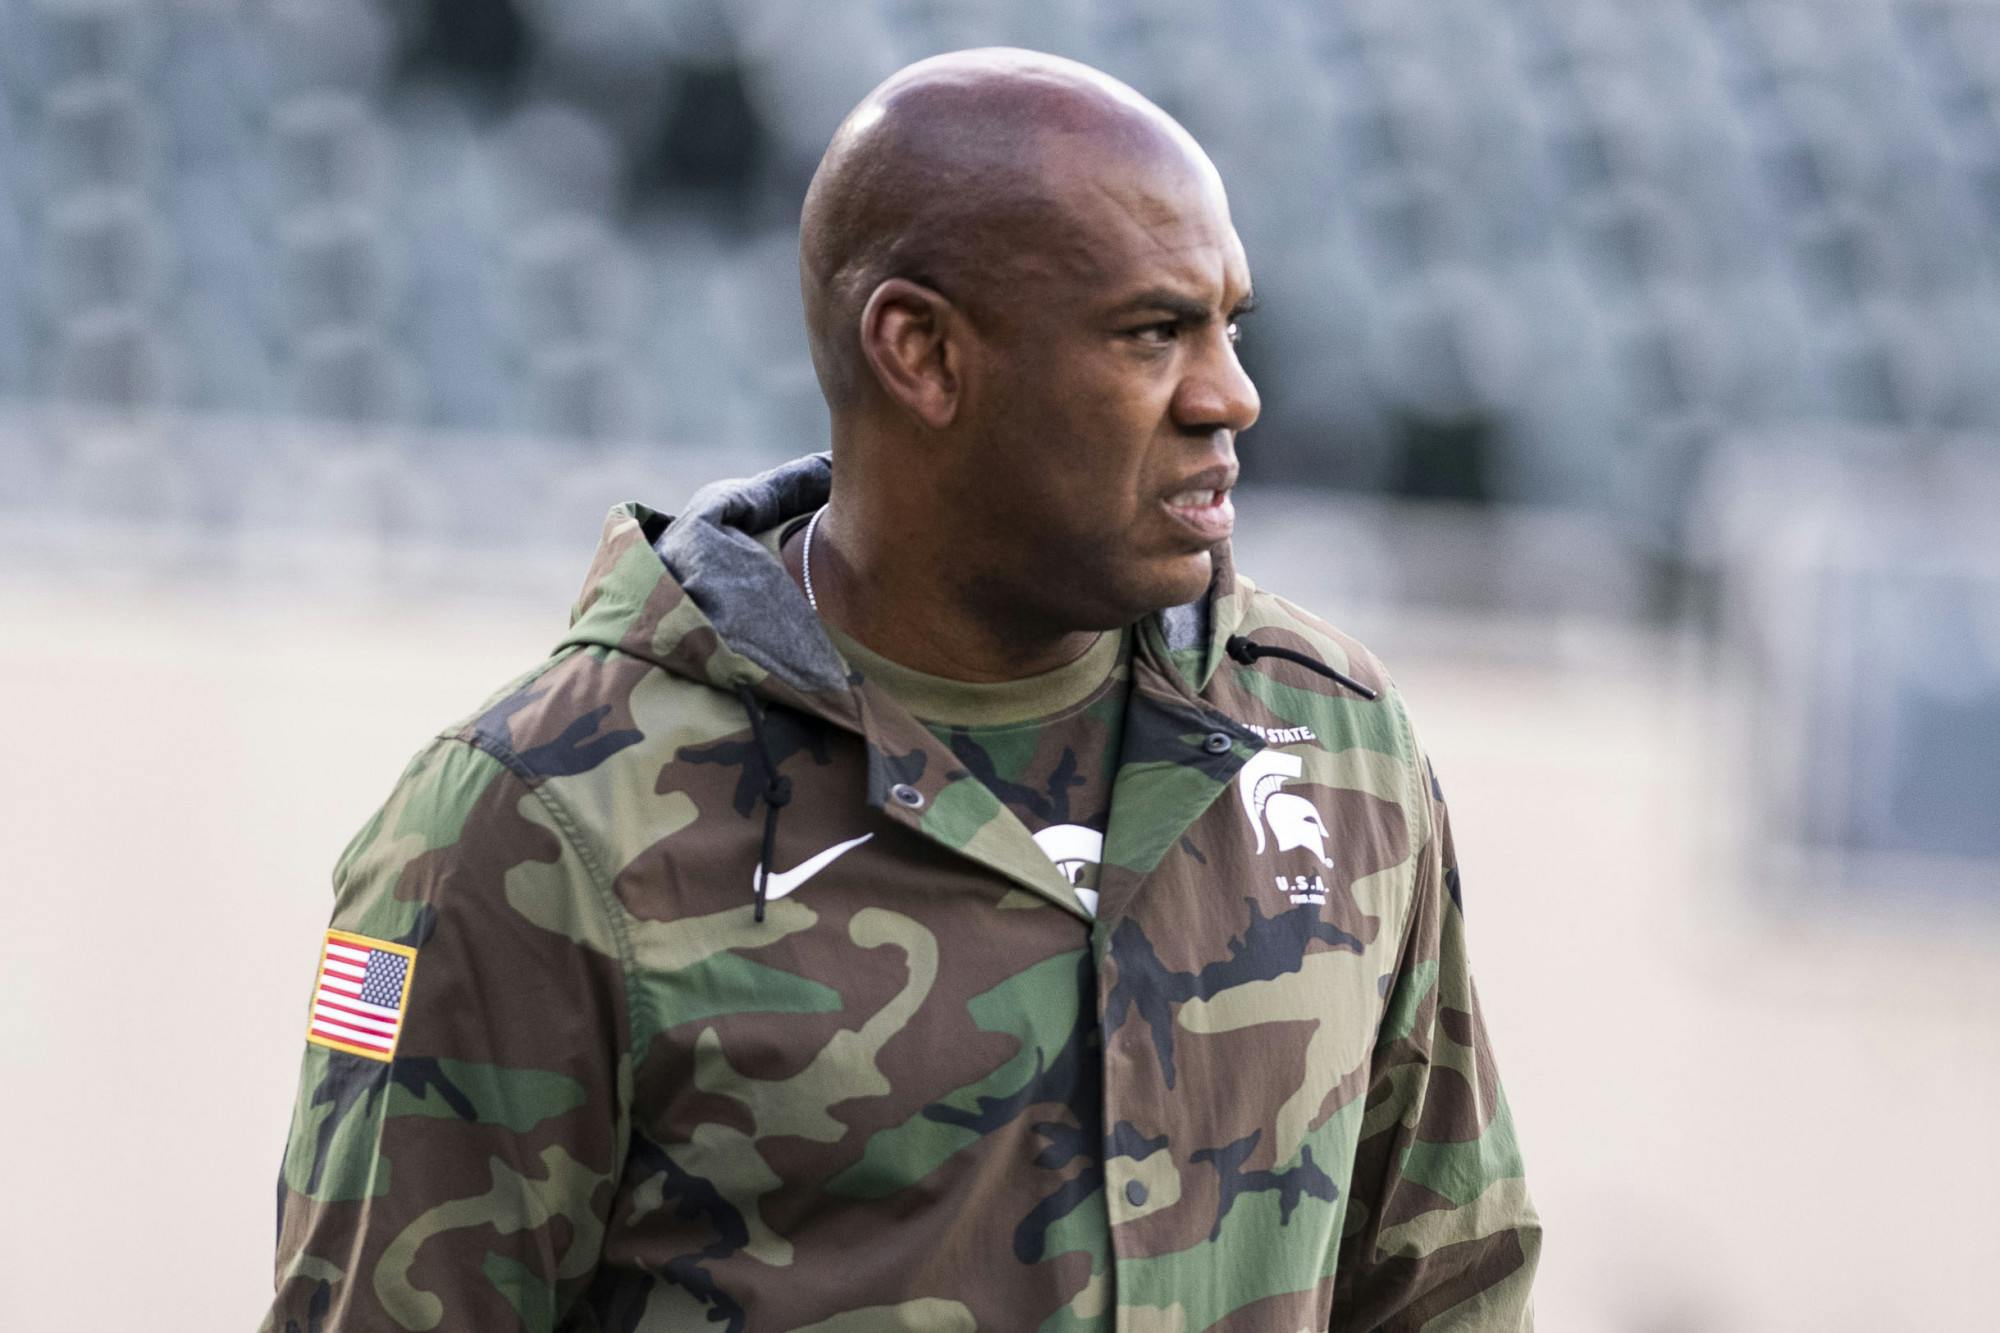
{"x":1182,"y":306}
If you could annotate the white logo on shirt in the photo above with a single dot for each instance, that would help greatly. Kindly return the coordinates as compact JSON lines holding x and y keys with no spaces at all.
{"x":1074,"y":849}
{"x":783,"y":882}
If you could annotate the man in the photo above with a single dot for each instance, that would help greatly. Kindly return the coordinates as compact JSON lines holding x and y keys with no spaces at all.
{"x":928,"y":889}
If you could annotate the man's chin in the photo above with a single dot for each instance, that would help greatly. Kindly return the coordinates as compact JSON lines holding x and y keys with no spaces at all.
{"x":1133,"y":593}
{"x":1179,"y":581}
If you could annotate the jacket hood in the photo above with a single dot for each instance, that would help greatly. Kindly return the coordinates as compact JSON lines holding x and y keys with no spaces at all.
{"x":700,"y":596}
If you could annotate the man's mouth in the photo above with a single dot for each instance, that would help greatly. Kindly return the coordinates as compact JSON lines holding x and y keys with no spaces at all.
{"x":1205,"y":511}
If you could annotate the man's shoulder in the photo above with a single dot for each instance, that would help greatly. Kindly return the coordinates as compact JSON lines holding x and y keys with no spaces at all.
{"x":567,"y":713}
{"x":1343,"y":721}
{"x":581,"y":718}
{"x":578,"y":737}
{"x":1267,"y":616}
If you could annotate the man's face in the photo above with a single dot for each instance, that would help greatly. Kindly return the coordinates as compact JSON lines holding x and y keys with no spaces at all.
{"x":1104,"y":397}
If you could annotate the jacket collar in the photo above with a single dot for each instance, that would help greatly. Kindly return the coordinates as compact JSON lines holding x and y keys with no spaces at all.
{"x":657,"y":581}
{"x":700,"y":597}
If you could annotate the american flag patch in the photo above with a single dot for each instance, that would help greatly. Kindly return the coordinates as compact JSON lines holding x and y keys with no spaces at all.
{"x":358,"y":1000}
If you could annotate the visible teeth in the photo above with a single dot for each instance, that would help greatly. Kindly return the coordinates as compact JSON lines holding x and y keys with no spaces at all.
{"x":1193,"y":499}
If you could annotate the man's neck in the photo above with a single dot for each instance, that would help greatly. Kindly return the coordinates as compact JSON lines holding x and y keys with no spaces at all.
{"x":903,"y":605}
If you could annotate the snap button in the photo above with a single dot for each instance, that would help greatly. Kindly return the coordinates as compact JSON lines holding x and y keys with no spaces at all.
{"x":1135,"y":1193}
{"x":1217,"y":742}
{"x":907,"y":795}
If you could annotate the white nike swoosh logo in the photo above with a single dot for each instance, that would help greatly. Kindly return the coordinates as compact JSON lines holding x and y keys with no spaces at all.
{"x":783,"y":882}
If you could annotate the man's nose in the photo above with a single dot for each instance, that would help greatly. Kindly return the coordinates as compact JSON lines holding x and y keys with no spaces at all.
{"x":1216,"y":393}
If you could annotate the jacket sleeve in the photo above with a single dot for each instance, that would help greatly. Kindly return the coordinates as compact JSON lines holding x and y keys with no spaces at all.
{"x":1440,"y":1235}
{"x":462,"y":1182}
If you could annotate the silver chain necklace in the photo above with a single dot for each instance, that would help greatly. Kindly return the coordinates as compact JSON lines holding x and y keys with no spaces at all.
{"x":806,"y":559}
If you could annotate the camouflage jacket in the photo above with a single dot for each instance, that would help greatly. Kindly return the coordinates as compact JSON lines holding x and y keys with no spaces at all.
{"x":926,"y":1090}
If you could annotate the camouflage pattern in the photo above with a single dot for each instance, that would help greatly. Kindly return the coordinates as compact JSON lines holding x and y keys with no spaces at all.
{"x":1053,"y":770}
{"x":928,"y":1091}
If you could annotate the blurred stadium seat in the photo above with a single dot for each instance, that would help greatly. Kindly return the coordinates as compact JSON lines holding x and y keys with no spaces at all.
{"x":392,"y":214}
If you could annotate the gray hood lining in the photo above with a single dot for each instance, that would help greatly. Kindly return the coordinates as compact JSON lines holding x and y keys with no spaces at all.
{"x":1185,"y":626}
{"x":713,"y":553}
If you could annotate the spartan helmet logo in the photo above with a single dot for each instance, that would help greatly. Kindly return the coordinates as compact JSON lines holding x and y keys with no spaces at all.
{"x":1074,"y":849}
{"x":1292,"y":820}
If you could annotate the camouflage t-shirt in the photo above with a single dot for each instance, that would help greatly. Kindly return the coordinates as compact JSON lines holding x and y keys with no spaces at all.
{"x":1046,"y":746}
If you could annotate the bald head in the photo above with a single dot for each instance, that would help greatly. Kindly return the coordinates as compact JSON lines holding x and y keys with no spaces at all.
{"x":962,"y":173}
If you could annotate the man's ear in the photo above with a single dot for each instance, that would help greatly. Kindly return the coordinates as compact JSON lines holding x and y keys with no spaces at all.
{"x":912,"y":336}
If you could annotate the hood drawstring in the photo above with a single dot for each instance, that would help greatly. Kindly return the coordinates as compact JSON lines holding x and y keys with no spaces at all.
{"x":1247,"y":651}
{"x":777,"y":789}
